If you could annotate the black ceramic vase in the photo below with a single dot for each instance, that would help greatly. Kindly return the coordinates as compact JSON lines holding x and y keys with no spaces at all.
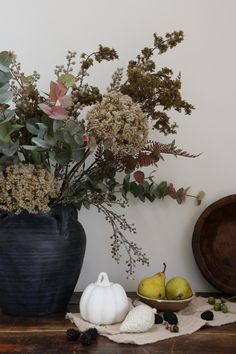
{"x":41,"y":256}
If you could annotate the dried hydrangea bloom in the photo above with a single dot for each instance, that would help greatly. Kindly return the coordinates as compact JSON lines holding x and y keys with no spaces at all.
{"x":26,"y":187}
{"x":119,"y":123}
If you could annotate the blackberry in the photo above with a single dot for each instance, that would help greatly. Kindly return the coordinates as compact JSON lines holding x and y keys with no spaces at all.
{"x":93,"y":332}
{"x":207,"y":315}
{"x":86,"y":338}
{"x":158,"y":318}
{"x":170,"y":317}
{"x":72,"y":334}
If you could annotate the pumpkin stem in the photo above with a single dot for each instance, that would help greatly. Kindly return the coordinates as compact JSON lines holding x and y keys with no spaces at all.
{"x":103,"y":279}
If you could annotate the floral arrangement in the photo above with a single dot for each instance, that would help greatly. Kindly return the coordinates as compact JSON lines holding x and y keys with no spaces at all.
{"x":76,"y":145}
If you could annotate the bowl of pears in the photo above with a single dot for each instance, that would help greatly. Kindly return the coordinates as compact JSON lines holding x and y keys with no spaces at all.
{"x":171,"y":296}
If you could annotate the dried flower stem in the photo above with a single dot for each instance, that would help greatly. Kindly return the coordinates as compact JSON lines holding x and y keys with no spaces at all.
{"x":118,"y":223}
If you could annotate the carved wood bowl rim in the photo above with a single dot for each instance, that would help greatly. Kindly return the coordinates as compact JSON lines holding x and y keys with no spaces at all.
{"x":166,"y":305}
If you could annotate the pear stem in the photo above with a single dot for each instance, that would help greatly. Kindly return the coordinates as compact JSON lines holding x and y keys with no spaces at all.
{"x":164,"y":268}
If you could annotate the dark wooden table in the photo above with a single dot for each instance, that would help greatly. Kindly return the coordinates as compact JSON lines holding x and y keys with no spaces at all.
{"x":47,"y":335}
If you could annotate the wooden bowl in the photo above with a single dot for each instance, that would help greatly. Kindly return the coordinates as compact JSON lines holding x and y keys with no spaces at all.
{"x":214,"y":244}
{"x":165,"y":305}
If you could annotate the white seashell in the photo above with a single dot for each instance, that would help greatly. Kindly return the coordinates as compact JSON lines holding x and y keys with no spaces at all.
{"x":139,"y":319}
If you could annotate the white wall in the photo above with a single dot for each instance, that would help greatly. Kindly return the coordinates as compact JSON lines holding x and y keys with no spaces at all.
{"x":40,"y":32}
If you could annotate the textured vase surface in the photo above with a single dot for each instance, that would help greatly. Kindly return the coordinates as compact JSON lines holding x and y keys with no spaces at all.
{"x":41,"y":256}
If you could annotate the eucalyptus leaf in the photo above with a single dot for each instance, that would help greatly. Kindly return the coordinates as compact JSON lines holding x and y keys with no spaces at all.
{"x":32,"y":127}
{"x":6,"y":57}
{"x":86,"y":204}
{"x":42,"y":126}
{"x":40,"y":142}
{"x":36,"y":157}
{"x":6,"y":115}
{"x":150,"y":197}
{"x":4,"y":88}
{"x":123,"y":193}
{"x":13,"y":127}
{"x":42,"y":130}
{"x":57,"y":124}
{"x":67,"y":79}
{"x":59,"y":136}
{"x":146,"y":186}
{"x":6,"y":129}
{"x":73,"y":127}
{"x":50,"y":140}
{"x":79,"y":139}
{"x":70,"y":124}
{"x":162,"y":190}
{"x":77,"y":204}
{"x":4,"y":68}
{"x":142,"y":197}
{"x":34,"y":148}
{"x":126,"y":183}
{"x":153,"y":189}
{"x":3,"y":131}
{"x":9,"y":149}
{"x":5,"y":97}
{"x":200,"y":196}
{"x":134,"y":189}
{"x":77,"y":154}
{"x":180,"y":195}
{"x":7,"y":161}
{"x":4,"y":77}
{"x":63,"y":157}
{"x":68,"y":138}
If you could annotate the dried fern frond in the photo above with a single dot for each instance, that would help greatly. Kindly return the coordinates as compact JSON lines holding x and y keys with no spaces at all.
{"x":174,"y":150}
{"x":152,"y":153}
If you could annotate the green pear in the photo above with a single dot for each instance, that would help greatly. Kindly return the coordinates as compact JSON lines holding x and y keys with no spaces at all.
{"x":154,"y":286}
{"x":178,"y":288}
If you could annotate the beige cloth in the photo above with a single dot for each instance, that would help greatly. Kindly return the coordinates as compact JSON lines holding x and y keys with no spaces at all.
{"x":189,"y":322}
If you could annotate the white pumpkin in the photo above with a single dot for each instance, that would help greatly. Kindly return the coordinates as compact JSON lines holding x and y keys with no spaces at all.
{"x":104,"y":302}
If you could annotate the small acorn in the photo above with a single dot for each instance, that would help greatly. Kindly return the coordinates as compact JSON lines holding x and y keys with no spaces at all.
{"x":174,"y":328}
